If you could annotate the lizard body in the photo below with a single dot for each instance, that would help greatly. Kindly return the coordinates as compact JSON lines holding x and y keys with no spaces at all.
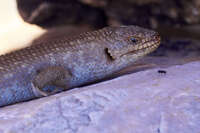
{"x":71,"y":62}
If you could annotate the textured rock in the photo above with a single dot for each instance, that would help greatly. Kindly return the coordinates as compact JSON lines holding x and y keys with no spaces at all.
{"x":99,"y":13}
{"x":52,"y":13}
{"x":96,"y":3}
{"x":154,"y":14}
{"x":142,"y":102}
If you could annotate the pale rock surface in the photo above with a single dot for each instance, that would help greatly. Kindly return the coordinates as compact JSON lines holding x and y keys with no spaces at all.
{"x":142,"y":102}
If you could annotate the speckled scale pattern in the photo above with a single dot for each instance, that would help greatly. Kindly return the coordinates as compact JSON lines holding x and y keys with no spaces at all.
{"x":89,"y":57}
{"x":36,"y":52}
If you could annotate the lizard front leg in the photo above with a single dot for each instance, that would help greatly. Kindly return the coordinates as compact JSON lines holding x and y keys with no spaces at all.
{"x":54,"y":76}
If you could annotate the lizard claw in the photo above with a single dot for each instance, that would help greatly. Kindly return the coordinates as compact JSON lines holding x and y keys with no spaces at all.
{"x":49,"y":90}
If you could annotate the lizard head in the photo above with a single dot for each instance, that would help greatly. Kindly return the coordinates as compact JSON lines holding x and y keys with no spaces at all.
{"x":131,"y":41}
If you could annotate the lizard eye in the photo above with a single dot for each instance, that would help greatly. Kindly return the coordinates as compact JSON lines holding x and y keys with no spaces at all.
{"x":133,"y":40}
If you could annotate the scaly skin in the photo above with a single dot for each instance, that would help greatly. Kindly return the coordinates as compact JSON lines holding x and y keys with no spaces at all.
{"x":42,"y":70}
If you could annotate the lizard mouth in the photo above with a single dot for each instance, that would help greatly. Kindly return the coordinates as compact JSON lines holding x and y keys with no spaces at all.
{"x":147,"y":47}
{"x":144,"y":48}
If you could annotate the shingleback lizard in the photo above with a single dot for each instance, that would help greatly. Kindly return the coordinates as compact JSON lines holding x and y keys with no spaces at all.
{"x":64,"y":64}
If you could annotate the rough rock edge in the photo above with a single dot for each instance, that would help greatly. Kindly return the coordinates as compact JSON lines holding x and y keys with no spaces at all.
{"x":131,"y":103}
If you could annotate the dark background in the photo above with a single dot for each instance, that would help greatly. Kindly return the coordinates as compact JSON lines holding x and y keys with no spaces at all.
{"x":176,"y":20}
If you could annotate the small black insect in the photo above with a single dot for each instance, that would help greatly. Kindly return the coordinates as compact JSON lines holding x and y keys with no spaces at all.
{"x":158,"y":130}
{"x":162,"y":71}
{"x":133,"y":40}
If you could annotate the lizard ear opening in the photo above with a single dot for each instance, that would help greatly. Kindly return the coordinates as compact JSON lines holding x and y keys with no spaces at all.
{"x":109,"y":56}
